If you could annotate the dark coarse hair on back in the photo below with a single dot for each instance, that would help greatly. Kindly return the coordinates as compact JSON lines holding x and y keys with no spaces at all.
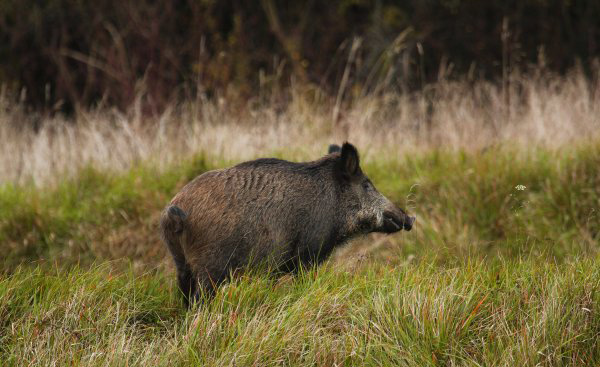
{"x":268,"y":210}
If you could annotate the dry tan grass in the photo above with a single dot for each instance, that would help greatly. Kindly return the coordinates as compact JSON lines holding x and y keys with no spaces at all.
{"x":550,"y":111}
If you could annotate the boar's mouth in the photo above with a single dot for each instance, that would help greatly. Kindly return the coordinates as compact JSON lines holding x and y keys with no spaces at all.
{"x":394,"y":222}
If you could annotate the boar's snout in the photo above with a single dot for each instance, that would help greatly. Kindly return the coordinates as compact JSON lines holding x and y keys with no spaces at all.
{"x":396,"y":220}
{"x":409,"y":223}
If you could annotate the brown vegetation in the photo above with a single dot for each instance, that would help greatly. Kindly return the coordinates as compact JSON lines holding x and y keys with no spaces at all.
{"x":542,"y":110}
{"x":63,"y":55}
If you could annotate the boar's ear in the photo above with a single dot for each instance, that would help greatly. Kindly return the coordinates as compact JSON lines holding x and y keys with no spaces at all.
{"x":333,"y":148}
{"x":349,"y":161}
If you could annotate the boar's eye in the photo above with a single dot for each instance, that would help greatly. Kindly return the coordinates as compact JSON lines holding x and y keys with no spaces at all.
{"x":367,"y":185}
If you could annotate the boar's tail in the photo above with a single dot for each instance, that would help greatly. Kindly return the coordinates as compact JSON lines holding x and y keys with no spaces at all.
{"x":172,"y":223}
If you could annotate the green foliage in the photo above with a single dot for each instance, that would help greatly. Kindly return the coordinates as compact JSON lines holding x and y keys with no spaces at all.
{"x":493,"y":274}
{"x":66,"y":223}
{"x":470,"y":204}
{"x":467,"y":205}
{"x":525,"y":313}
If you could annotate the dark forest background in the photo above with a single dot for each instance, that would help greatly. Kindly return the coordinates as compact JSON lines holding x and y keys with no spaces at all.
{"x":60,"y":55}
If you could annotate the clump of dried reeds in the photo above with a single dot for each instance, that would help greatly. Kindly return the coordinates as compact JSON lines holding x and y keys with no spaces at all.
{"x":543,"y":110}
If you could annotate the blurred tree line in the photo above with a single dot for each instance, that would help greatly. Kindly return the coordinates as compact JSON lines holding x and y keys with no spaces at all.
{"x":64,"y":54}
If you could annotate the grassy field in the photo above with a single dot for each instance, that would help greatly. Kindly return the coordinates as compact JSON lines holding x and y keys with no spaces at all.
{"x":511,"y":313}
{"x":501,"y":268}
{"x":493,"y":274}
{"x":498,"y":202}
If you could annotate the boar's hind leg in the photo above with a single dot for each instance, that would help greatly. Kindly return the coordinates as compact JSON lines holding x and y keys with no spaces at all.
{"x":187,"y":283}
{"x":186,"y":280}
{"x":173,"y":223}
{"x":208,"y":281}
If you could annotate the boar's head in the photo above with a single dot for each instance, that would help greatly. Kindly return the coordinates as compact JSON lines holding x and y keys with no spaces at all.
{"x":363,"y":208}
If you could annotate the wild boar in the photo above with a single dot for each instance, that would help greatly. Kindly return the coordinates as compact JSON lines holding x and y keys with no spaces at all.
{"x":275,"y":212}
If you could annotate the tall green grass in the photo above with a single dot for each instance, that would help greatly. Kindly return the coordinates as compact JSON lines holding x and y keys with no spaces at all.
{"x":501,"y":269}
{"x":499,"y":201}
{"x":467,"y":204}
{"x":97,"y":215}
{"x":511,"y":313}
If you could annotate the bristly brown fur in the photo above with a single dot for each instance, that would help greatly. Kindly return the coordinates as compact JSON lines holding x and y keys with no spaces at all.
{"x":269,"y":211}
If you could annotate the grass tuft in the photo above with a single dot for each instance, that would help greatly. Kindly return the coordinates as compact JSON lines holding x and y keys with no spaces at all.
{"x":508,"y":313}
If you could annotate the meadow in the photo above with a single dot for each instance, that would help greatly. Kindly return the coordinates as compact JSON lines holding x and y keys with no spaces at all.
{"x":501,"y":268}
